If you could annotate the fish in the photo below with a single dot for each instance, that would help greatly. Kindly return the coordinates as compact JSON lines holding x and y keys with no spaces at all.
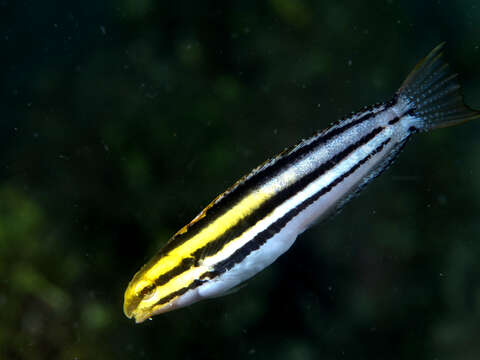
{"x":247,"y":227}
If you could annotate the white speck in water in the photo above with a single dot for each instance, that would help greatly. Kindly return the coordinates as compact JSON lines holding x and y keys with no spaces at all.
{"x":349,"y":62}
{"x":103,"y":30}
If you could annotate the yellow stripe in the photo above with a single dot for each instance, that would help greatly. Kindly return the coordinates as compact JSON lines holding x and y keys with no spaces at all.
{"x":244,"y":208}
{"x":186,"y":277}
{"x":212,"y":231}
{"x":179,"y":282}
{"x":283,"y":180}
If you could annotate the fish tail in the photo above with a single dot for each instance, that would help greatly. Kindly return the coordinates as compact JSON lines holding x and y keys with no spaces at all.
{"x":434,"y":93}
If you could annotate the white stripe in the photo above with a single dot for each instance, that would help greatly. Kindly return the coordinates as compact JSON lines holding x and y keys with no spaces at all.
{"x":281,"y":242}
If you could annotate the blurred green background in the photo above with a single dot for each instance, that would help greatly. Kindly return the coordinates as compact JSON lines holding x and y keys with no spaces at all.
{"x":122,"y":119}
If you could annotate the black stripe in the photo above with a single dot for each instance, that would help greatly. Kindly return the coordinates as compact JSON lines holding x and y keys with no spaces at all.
{"x":184,"y":265}
{"x":261,"y":238}
{"x":242,"y":188}
{"x":393,"y":121}
{"x":266,"y":208}
{"x":194,"y":284}
{"x":410,"y":112}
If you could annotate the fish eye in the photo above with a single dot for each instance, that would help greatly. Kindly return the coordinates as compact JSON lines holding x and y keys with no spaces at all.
{"x":147,"y":292}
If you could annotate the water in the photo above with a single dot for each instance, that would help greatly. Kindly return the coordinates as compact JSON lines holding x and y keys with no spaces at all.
{"x":121,"y":120}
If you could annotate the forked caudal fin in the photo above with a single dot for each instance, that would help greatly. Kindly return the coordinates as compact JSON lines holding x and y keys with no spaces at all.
{"x":435,"y":93}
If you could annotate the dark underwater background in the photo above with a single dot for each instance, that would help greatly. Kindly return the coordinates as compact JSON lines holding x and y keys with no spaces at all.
{"x":121,"y":120}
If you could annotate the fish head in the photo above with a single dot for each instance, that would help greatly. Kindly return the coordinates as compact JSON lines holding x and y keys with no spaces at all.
{"x":142,"y":300}
{"x":149,"y":293}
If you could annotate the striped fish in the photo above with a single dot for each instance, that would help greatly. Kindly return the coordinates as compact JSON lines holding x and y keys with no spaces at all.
{"x":250,"y":225}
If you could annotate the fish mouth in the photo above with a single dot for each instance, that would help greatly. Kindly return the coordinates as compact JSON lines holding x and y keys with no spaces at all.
{"x":127,"y":312}
{"x":129,"y":308}
{"x":132,"y":312}
{"x":140,"y":316}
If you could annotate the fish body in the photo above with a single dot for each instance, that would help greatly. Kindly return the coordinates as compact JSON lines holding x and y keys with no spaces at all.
{"x":250,"y":225}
